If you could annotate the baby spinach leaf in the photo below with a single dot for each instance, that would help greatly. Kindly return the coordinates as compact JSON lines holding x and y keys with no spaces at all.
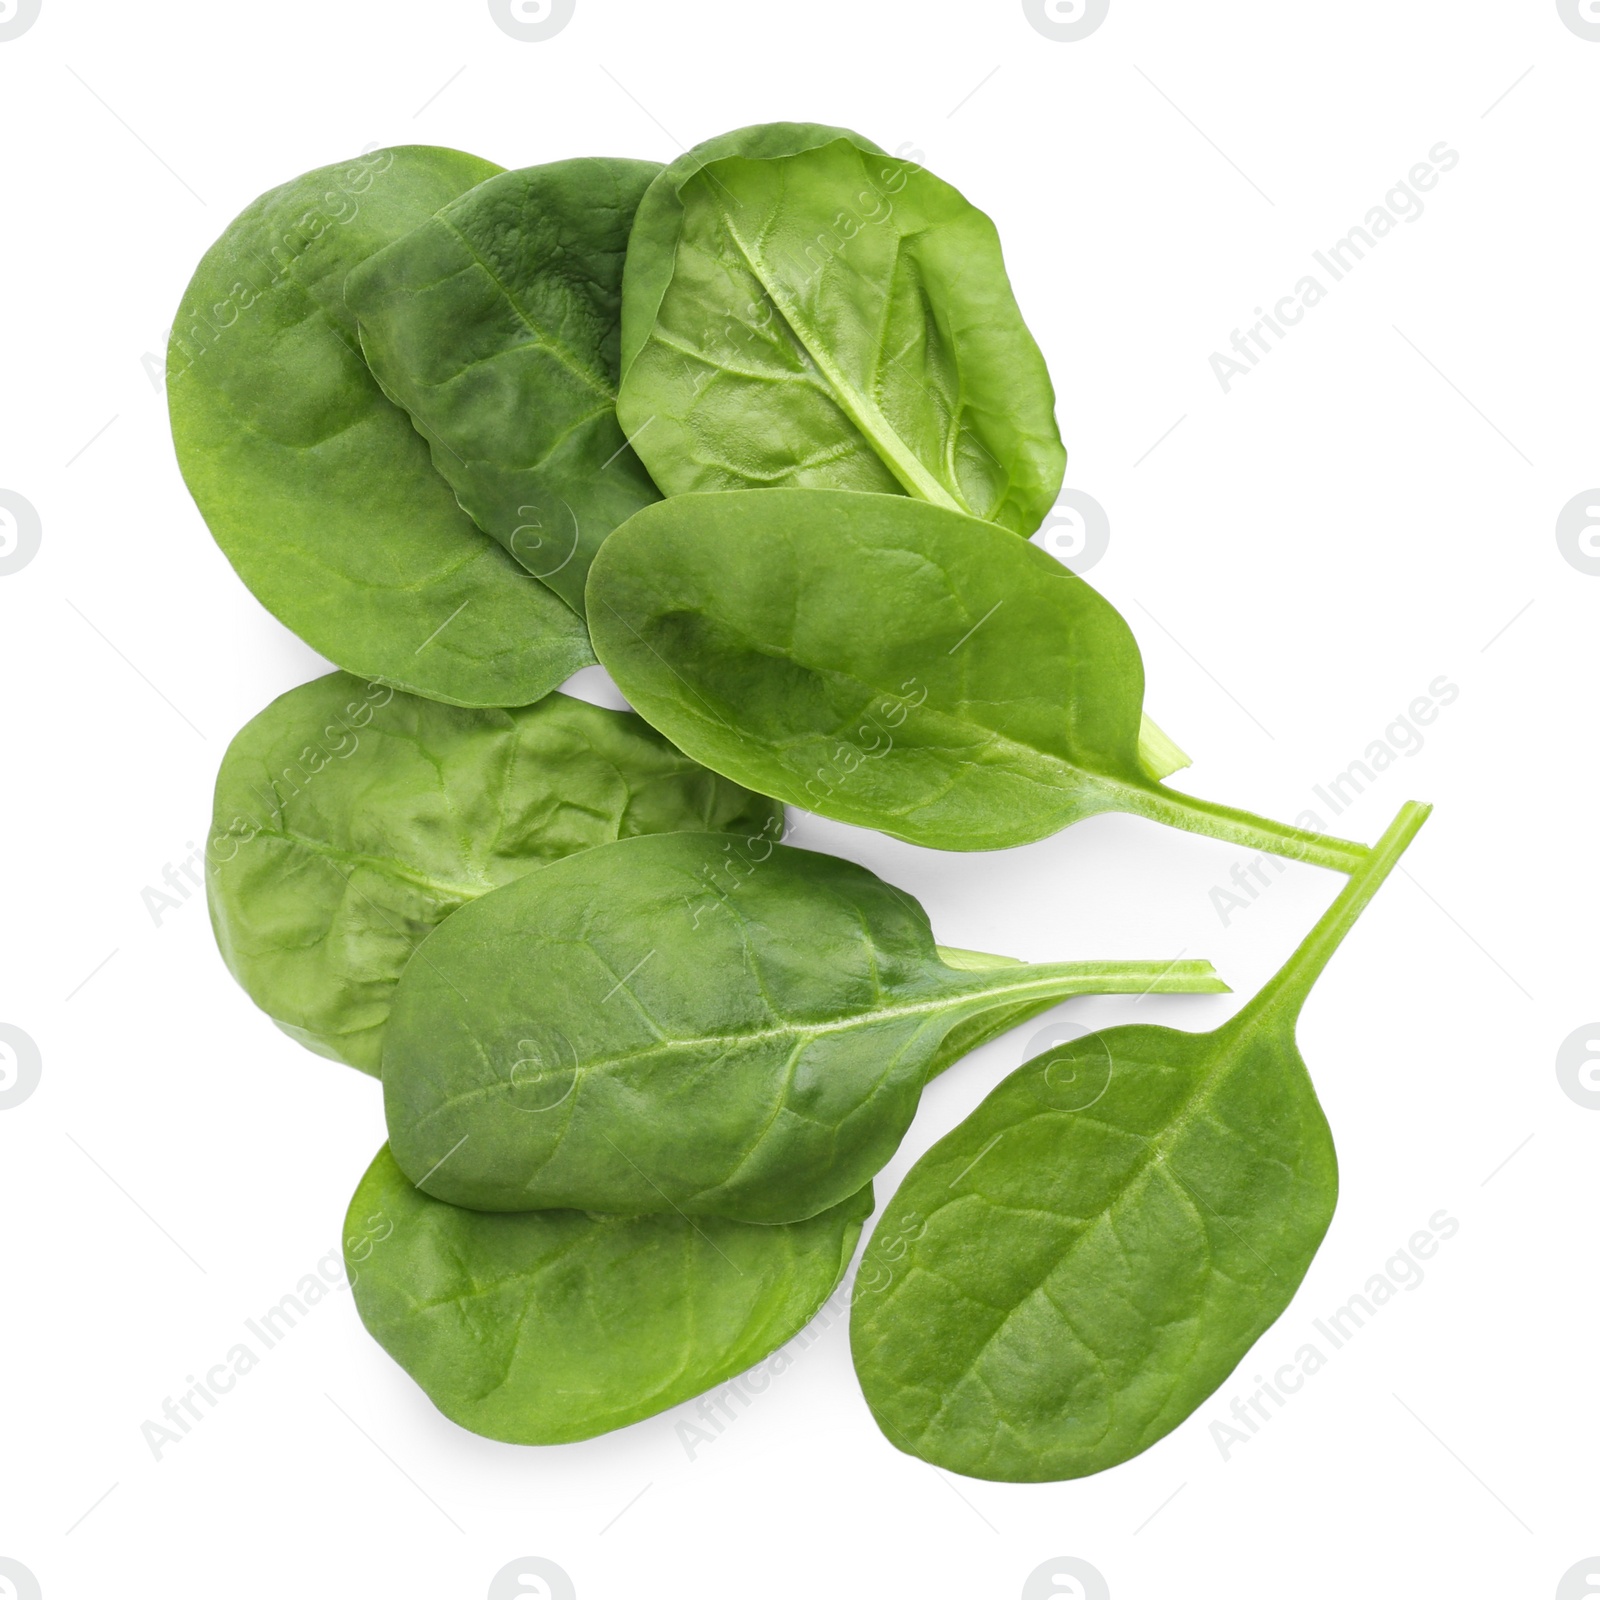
{"x":801,"y":309}
{"x":1066,"y":1276}
{"x":894,"y":665}
{"x":550,"y":1326}
{"x":496,"y":325}
{"x":686,"y":1023}
{"x":352,"y":819}
{"x":320,"y":491}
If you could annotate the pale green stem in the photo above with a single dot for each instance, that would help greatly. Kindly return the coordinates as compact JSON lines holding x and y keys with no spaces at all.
{"x":1287,"y":991}
{"x":1101,"y":977}
{"x":973,"y":960}
{"x":1244,"y":828}
{"x":1159,"y":754}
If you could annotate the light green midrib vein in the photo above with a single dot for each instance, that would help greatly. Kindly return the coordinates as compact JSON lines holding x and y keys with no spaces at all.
{"x":1063,"y":978}
{"x":382,"y":864}
{"x":874,"y":426}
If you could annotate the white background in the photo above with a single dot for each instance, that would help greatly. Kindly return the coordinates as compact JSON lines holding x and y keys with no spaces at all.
{"x":1372,"y":508}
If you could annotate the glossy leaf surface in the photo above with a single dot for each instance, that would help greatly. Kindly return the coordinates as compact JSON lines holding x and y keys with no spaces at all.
{"x":496,"y":325}
{"x":351,"y":819}
{"x":318,"y":489}
{"x":686,"y":1023}
{"x":893,"y":665}
{"x":1067,"y":1275}
{"x":550,"y":1326}
{"x":801,"y":309}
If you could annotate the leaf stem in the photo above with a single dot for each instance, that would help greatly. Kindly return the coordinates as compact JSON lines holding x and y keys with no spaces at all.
{"x":1160,"y":755}
{"x":1100,"y":977}
{"x":1037,"y":989}
{"x":1286,"y":992}
{"x":1215,"y":821}
{"x":974,"y":960}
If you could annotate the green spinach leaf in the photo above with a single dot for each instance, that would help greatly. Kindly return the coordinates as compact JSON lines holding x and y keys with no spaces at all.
{"x":894,"y":665}
{"x":352,"y":819}
{"x":686,"y":1023}
{"x":1062,"y":1279}
{"x":801,"y":309}
{"x":550,"y":1326}
{"x":319,"y":490}
{"x":496,"y":325}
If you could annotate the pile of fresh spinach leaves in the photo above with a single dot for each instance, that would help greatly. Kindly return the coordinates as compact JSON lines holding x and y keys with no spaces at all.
{"x":319,"y":490}
{"x":762,"y":431}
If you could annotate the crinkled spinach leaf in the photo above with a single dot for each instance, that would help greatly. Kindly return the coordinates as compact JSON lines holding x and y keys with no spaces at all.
{"x":351,"y":819}
{"x":893,"y":665}
{"x":550,"y":1326}
{"x":801,"y":309}
{"x":1062,"y":1279}
{"x":686,"y":1023}
{"x":318,"y":489}
{"x":496,"y":325}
